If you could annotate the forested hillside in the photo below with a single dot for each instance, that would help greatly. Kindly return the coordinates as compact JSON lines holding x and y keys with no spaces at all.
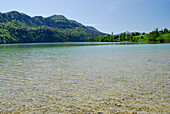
{"x":18,"y":27}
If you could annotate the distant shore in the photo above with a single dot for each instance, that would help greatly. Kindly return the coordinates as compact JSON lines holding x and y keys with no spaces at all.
{"x":162,"y":36}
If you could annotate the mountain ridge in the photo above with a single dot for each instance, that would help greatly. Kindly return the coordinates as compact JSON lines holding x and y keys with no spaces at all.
{"x":61,"y":28}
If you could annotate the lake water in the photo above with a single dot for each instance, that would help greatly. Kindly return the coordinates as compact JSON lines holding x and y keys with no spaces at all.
{"x":84,"y":77}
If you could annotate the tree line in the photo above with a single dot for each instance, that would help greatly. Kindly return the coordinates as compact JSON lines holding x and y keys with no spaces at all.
{"x":155,"y":35}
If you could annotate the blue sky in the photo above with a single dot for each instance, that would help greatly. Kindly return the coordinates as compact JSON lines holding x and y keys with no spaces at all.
{"x":105,"y":15}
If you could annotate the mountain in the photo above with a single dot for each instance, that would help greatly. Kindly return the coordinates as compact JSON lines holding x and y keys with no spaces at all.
{"x":16,"y":27}
{"x":127,"y":32}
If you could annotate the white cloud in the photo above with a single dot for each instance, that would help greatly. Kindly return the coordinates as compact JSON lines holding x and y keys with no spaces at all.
{"x":114,"y":4}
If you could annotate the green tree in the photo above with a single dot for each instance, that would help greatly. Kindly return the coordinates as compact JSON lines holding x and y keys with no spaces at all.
{"x":165,"y":31}
{"x":143,"y":33}
{"x":107,"y":38}
{"x":90,"y":39}
{"x":122,"y":36}
{"x":133,"y":34}
{"x":153,"y":35}
{"x":161,"y":39}
{"x":128,"y":37}
{"x":137,"y":33}
{"x":111,"y":38}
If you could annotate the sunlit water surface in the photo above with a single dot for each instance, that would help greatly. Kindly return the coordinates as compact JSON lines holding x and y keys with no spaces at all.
{"x":84,"y":77}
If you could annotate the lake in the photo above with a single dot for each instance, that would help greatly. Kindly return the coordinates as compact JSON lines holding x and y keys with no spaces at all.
{"x":84,"y":78}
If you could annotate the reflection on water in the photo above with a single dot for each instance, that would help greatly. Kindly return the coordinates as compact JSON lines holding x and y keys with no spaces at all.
{"x":84,"y":77}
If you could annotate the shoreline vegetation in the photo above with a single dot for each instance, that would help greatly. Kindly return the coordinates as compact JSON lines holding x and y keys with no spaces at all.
{"x":156,"y":36}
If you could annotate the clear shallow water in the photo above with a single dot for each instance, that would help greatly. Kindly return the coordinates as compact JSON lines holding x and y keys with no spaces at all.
{"x":84,"y":77}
